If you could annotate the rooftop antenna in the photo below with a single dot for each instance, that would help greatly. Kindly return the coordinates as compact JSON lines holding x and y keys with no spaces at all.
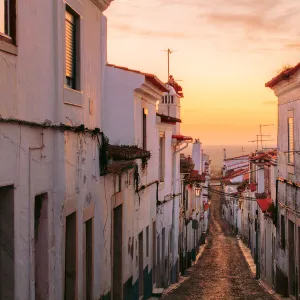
{"x":169,"y":51}
{"x":261,"y":135}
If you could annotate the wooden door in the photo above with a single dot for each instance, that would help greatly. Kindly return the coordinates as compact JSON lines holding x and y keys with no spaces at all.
{"x":141,"y":265}
{"x":117,"y":253}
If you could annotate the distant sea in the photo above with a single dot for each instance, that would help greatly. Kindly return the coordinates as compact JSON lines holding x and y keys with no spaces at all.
{"x":216,"y":153}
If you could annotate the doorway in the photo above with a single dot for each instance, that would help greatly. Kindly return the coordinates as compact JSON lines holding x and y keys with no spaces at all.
{"x":273,"y":258}
{"x":89,"y":259}
{"x":163,"y":258}
{"x":117,"y":253}
{"x":41,"y":246}
{"x":292,"y":282}
{"x":141,"y":265}
{"x":70,"y":257}
{"x":7,"y":275}
{"x":153,"y":252}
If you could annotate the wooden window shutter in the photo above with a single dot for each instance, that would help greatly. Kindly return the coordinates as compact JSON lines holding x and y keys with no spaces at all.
{"x":144,"y":111}
{"x":70,"y":24}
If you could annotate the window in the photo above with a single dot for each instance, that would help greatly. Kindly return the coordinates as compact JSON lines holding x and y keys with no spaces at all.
{"x":8,"y":20}
{"x":167,"y":99}
{"x":70,"y":257}
{"x":118,"y":183}
{"x":161,"y":158}
{"x":291,"y":140}
{"x":282,"y":236}
{"x":72,"y":48}
{"x":89,"y":259}
{"x":147,"y":241}
{"x":144,"y":128}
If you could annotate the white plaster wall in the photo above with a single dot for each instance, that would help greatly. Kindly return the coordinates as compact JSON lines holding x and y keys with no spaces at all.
{"x":196,"y":153}
{"x":32,"y":88}
{"x":124,"y":98}
{"x":260,"y":179}
{"x":288,"y":92}
{"x":118,"y":105}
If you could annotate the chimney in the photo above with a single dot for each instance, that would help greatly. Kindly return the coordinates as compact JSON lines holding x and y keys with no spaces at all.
{"x":224,"y":153}
{"x":196,"y":153}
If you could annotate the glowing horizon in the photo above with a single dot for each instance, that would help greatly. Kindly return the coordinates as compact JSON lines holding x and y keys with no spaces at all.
{"x":226,"y":53}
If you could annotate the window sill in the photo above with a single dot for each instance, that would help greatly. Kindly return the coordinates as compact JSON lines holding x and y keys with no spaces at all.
{"x":291,"y":168}
{"x":73,"y":97}
{"x":7,"y":46}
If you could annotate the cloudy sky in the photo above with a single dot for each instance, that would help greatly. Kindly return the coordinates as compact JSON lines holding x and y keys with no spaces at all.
{"x":225,"y":52}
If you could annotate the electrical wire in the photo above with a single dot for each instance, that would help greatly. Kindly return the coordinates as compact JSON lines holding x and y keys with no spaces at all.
{"x":231,"y":195}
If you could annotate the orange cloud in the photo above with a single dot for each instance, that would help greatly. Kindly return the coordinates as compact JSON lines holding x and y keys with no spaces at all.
{"x":150,"y":33}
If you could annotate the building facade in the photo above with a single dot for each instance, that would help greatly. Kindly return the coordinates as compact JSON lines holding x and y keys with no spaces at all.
{"x":49,"y":180}
{"x":286,"y":88}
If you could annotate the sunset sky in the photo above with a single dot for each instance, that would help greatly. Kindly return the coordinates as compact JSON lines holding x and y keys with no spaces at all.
{"x":226,"y":51}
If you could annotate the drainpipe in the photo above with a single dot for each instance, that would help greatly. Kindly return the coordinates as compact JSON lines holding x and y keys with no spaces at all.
{"x":31,"y":256}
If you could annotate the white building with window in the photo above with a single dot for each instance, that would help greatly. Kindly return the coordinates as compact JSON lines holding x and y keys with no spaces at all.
{"x":51,"y":67}
{"x":286,"y":87}
{"x":130,"y":118}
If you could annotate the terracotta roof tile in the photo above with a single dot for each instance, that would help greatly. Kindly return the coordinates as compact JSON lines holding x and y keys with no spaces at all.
{"x":284,"y":75}
{"x":168,"y":119}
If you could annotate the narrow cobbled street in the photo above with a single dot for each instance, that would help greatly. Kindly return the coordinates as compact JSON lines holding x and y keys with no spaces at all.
{"x":221,"y":272}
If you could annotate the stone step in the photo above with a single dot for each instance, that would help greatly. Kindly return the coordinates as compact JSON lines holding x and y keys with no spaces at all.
{"x":157,"y":292}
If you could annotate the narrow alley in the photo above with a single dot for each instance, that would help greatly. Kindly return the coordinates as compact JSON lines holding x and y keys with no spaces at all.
{"x":221,"y":272}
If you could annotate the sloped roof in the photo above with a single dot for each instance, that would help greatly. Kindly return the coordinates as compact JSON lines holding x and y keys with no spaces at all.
{"x":125,"y":152}
{"x":168,"y":119}
{"x":176,"y":86}
{"x":266,"y":156}
{"x":284,"y":75}
{"x":151,"y":77}
{"x":237,"y":157}
{"x":181,"y":137}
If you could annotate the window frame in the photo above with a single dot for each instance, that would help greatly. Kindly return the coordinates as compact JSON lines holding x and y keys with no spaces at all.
{"x":147,"y":241}
{"x":144,"y":128}
{"x":76,"y":83}
{"x":282,"y":232}
{"x":291,"y":157}
{"x":161,"y":168}
{"x":10,"y":37}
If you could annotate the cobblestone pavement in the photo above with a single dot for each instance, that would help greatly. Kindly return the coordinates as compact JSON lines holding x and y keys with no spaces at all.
{"x":221,"y":272}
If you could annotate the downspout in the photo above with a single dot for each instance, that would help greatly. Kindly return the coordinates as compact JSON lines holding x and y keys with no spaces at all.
{"x":31,"y":262}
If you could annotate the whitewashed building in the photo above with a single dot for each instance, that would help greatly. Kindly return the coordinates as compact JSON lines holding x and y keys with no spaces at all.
{"x":194,"y":207}
{"x":130,"y":118}
{"x":258,"y":204}
{"x":286,"y":87}
{"x":51,"y":217}
{"x":235,"y":174}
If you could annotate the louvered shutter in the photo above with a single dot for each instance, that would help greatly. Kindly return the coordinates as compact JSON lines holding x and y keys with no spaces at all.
{"x":290,"y":140}
{"x":70,"y":48}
